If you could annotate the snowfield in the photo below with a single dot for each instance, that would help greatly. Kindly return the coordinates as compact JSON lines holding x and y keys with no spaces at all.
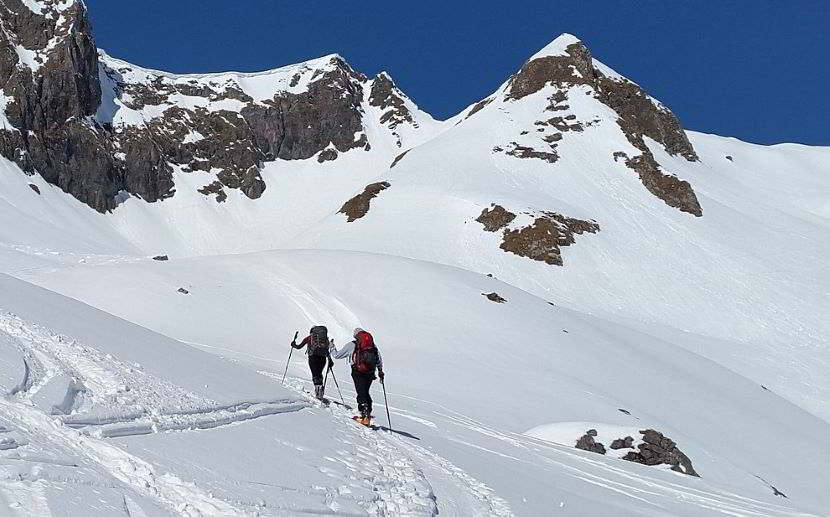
{"x":141,"y":387}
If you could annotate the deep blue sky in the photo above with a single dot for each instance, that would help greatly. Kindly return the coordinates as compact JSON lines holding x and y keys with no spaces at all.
{"x":755,"y":69}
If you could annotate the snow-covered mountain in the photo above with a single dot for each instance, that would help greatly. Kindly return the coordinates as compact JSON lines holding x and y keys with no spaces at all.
{"x":560,"y":256}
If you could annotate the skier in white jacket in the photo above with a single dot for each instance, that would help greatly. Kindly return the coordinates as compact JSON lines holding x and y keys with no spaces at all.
{"x":364,"y":358}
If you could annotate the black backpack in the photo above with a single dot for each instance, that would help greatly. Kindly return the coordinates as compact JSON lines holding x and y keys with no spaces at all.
{"x":318,"y":345}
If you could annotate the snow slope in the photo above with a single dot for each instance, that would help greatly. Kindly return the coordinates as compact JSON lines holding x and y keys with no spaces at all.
{"x":563,"y":366}
{"x":124,"y":395}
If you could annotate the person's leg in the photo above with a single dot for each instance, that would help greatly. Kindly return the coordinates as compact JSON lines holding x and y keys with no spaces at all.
{"x":362,"y":392}
{"x":316,"y":365}
{"x":369,"y":379}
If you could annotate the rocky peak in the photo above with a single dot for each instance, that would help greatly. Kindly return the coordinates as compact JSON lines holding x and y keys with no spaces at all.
{"x":49,"y":80}
{"x":386,"y":96}
{"x":97,"y":126}
{"x":567,"y":63}
{"x":48,"y":55}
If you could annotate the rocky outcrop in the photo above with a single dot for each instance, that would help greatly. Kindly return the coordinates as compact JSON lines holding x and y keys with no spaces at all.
{"x":540,"y":240}
{"x":480,"y":105}
{"x":520,"y":151}
{"x":495,"y":218}
{"x":494,"y":297}
{"x":398,"y":158}
{"x":653,"y":449}
{"x":61,"y":101}
{"x":587,"y":442}
{"x":358,"y":206}
{"x":638,"y":116}
{"x":543,"y":239}
{"x":623,"y":443}
{"x":656,"y":449}
{"x":49,"y":77}
{"x":386,"y":96}
{"x":673,"y":191}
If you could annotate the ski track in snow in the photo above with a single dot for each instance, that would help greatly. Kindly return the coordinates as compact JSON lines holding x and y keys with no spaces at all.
{"x":121,"y":400}
{"x":614,"y":478}
{"x":185,"y":498}
{"x":25,"y":498}
{"x":403,"y":474}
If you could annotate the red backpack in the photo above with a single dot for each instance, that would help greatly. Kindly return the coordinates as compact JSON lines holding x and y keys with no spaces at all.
{"x":365,"y":357}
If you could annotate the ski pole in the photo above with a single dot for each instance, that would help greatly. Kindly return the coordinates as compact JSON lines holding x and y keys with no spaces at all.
{"x":386,"y":403}
{"x":289,"y":358}
{"x":338,"y":386}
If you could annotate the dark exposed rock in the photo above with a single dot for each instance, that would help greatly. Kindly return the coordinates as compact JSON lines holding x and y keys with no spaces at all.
{"x":729,"y":158}
{"x":358,"y":206}
{"x":399,"y":158}
{"x":35,"y":188}
{"x":59,"y":133}
{"x":621,"y":410}
{"x":494,"y":297}
{"x":298,"y":126}
{"x":386,"y":96}
{"x":161,"y":258}
{"x":674,"y":192}
{"x":520,"y":151}
{"x":656,"y":449}
{"x":495,"y":218}
{"x":543,"y":239}
{"x":183,"y":290}
{"x":478,"y":107}
{"x":639,"y":116}
{"x":623,"y":443}
{"x":591,"y":432}
{"x":587,"y":443}
{"x":51,"y":101}
{"x":327,"y":155}
{"x":215,"y":188}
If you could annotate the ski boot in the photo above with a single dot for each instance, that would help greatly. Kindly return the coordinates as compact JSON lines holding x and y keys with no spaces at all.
{"x":365,"y":416}
{"x":319,"y":389}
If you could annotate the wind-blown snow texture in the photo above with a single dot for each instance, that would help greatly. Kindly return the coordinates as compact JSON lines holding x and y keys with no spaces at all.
{"x":649,"y":278}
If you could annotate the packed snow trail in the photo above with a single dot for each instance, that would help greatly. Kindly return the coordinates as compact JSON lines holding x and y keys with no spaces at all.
{"x":405,"y":475}
{"x":185,"y":498}
{"x":42,"y":423}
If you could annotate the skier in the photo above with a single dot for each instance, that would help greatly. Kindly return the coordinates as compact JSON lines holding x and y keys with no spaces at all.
{"x":317,"y":349}
{"x":364,"y":358}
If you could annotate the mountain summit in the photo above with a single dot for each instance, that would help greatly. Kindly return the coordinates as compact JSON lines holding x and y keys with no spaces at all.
{"x":129,"y":128}
{"x":582,"y":308}
{"x":100,"y":128}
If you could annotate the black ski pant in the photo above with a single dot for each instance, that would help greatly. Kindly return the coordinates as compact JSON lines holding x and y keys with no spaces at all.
{"x":317,"y":363}
{"x":362,"y":383}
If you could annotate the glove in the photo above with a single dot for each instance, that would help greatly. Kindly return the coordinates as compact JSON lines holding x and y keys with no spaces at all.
{"x":381,"y":375}
{"x":294,"y":344}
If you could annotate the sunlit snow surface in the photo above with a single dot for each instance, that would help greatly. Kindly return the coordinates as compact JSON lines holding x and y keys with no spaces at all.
{"x":711,"y":330}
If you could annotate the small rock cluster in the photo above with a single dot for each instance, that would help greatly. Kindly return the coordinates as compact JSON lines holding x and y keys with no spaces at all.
{"x":655,"y":449}
{"x":494,"y":297}
{"x":540,"y":240}
{"x":358,"y":206}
